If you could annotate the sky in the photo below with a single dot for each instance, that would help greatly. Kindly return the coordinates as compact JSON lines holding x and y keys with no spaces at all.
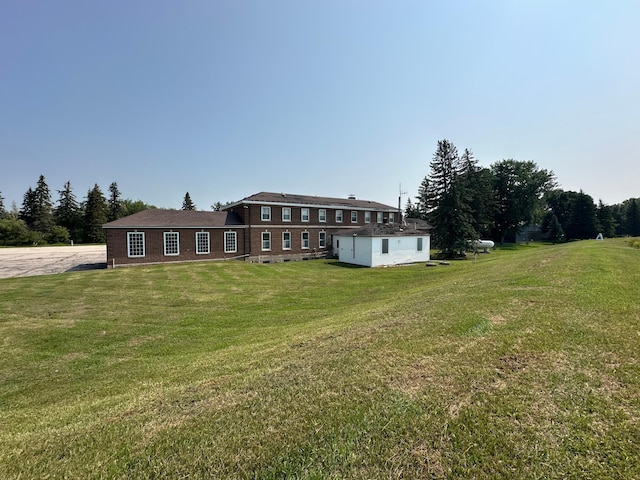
{"x":224,"y":99}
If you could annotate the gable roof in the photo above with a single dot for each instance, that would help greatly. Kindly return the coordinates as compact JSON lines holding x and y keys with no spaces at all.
{"x":381,"y":230}
{"x":159,"y":218}
{"x":309,"y":200}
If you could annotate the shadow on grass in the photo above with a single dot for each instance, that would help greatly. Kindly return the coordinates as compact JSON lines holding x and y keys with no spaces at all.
{"x":87,"y":266}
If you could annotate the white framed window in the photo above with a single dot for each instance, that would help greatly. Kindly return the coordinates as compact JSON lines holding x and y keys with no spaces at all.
{"x":304,"y":214}
{"x":419,"y":244}
{"x":135,"y":244}
{"x":286,"y":214}
{"x":379,"y":219}
{"x":286,"y":240}
{"x":367,"y":217}
{"x":202,"y":243}
{"x":322,"y":215}
{"x":265,"y":214}
{"x":171,"y":243}
{"x":322,"y":239}
{"x":391,"y":217}
{"x":230,"y":242}
{"x":339,"y":216}
{"x":305,"y":240}
{"x":385,"y":245}
{"x":266,"y":241}
{"x":354,"y":216}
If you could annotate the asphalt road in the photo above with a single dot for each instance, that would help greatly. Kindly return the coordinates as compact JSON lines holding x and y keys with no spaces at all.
{"x":28,"y":261}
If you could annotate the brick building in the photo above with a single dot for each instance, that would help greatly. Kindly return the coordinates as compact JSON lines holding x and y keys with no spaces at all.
{"x":265,"y":227}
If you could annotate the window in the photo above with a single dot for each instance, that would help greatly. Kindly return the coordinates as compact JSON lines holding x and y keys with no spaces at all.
{"x":266,"y":214}
{"x":367,"y":217}
{"x":419,"y":246}
{"x":391,"y":217}
{"x":135,"y":244}
{"x":305,"y":239}
{"x":354,"y":216}
{"x":339,"y":216}
{"x":266,"y":241}
{"x":379,"y":219}
{"x":286,"y":214}
{"x":304,"y":214}
{"x":171,"y":243}
{"x":322,"y":215}
{"x":230,"y":242}
{"x":322,"y":239}
{"x":385,"y":245}
{"x":286,"y":240}
{"x":202,"y":242}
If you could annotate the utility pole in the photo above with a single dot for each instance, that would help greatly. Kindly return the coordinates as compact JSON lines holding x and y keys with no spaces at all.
{"x":400,"y":202}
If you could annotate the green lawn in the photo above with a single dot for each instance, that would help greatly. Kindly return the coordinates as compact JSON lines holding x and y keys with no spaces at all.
{"x":521,"y":364}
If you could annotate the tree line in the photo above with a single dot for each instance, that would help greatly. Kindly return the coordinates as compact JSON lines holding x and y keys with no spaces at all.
{"x":463,"y":201}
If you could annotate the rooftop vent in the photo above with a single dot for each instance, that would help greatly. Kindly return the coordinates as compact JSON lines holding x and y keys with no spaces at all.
{"x":351,"y":196}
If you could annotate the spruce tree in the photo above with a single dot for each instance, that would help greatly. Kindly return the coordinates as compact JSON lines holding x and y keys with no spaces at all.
{"x":95,"y":215}
{"x":68,"y":213}
{"x":26,"y":213}
{"x":632,"y":217}
{"x":187,"y":204}
{"x":3,"y":211}
{"x":422,"y":200}
{"x":606,"y":223}
{"x":43,"y":207}
{"x":115,"y":210}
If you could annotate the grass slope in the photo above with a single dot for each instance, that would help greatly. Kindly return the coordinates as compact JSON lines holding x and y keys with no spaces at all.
{"x":521,"y":364}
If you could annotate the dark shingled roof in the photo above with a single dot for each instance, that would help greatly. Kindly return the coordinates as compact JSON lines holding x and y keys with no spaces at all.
{"x":381,"y":230}
{"x":158,"y":218}
{"x":288,"y":198}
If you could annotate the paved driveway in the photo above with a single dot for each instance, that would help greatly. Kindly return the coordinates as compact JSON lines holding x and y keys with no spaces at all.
{"x":27,"y":261}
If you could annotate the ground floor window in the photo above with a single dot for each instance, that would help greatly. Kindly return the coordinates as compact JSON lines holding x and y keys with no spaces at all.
{"x":286,"y":240}
{"x":322,"y":239}
{"x":230,"y":242}
{"x":135,"y":244}
{"x":305,"y":239}
{"x":266,"y":241}
{"x":171,"y":243}
{"x":419,"y":239}
{"x":385,"y":245}
{"x":202,"y":242}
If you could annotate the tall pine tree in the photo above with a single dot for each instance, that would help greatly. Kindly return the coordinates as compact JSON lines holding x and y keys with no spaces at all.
{"x":95,"y":215}
{"x":43,"y":207}
{"x":115,"y":208}
{"x":187,"y":204}
{"x":68,"y":213}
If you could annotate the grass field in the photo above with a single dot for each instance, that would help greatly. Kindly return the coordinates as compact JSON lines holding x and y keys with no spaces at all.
{"x":524,"y":363}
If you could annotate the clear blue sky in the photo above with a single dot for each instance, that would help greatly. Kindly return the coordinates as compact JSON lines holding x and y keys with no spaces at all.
{"x":224,"y":99}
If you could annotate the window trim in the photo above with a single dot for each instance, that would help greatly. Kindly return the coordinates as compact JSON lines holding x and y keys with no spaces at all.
{"x":379,"y":217}
{"x":322,"y":215}
{"x":265,"y":213}
{"x":338,"y":216}
{"x":199,"y":251}
{"x":233,"y":234}
{"x":302,"y":240}
{"x":262,"y":237}
{"x":385,"y":241}
{"x":302,"y":211}
{"x":165,"y":235}
{"x":391,"y":217}
{"x":419,"y":244}
{"x":354,"y":216}
{"x":129,"y":244}
{"x":322,"y":239}
{"x":287,"y":209}
{"x":288,"y":233}
{"x":367,"y":216}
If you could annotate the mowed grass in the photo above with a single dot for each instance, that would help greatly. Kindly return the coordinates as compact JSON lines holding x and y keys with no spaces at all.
{"x":521,"y":364}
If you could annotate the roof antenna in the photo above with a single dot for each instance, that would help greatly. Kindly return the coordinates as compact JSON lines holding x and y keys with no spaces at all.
{"x":400,"y":202}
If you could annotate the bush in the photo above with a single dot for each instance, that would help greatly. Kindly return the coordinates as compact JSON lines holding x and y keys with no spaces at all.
{"x":58,"y":234}
{"x":14,"y":233}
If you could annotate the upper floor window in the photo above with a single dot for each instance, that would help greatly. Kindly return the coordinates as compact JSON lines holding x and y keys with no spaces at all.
{"x":354,"y":216}
{"x":266,"y":241}
{"x":322,"y":215}
{"x":202,"y":242}
{"x":171,"y":243}
{"x":304,"y":214}
{"x":230,"y":242}
{"x":135,"y":244}
{"x":265,"y":214}
{"x":391,"y":217}
{"x":305,"y":239}
{"x":379,"y":219}
{"x":367,"y":217}
{"x":286,"y":214}
{"x":339,"y":216}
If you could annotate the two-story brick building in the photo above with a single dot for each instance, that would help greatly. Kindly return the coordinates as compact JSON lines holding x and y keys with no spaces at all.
{"x":265,"y":227}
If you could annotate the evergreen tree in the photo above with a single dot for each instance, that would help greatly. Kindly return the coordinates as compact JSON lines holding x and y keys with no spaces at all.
{"x":422,"y":200}
{"x":582,"y":222}
{"x":187,"y":204}
{"x":632,"y":217}
{"x":3,"y":212}
{"x":115,"y":210}
{"x":27,"y":212}
{"x":478,"y":186}
{"x":68,"y":213}
{"x":43,"y":207}
{"x":411,"y":210}
{"x":95,"y":215}
{"x":555,"y":233}
{"x":606,"y":223}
